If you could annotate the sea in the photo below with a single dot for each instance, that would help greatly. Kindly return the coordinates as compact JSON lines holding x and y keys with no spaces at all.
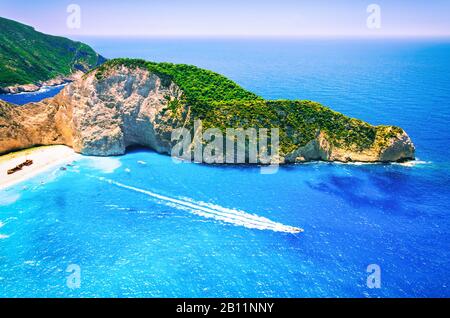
{"x":143,"y":225}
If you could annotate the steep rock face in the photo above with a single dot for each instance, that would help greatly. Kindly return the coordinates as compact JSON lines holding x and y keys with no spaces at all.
{"x":399,"y":147}
{"x":132,"y":107}
{"x":122,"y":110}
{"x":35,"y":124}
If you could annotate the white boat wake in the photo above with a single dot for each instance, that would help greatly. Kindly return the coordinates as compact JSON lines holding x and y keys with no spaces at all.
{"x":2,"y":224}
{"x":207,"y":210}
{"x":2,"y":236}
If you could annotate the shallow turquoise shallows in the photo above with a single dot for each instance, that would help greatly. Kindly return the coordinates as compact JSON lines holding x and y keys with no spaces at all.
{"x":141,"y":225}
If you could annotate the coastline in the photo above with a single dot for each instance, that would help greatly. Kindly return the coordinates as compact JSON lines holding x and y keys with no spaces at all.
{"x":35,"y":87}
{"x":43,"y":158}
{"x":39,"y":89}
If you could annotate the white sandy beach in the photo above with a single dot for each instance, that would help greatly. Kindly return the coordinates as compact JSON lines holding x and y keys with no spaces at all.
{"x":43,"y":159}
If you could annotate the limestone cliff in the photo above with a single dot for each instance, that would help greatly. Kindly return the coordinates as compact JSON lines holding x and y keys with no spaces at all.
{"x":114,"y":107}
{"x":33,"y":124}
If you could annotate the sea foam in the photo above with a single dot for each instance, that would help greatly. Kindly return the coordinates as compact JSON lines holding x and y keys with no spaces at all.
{"x":8,"y":198}
{"x":413,"y":163}
{"x":106,"y":165}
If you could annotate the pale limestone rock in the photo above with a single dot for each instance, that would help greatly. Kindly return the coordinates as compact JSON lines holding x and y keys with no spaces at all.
{"x":130,"y":107}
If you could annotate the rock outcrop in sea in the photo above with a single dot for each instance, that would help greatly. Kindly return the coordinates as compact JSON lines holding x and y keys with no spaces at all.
{"x":117,"y":106}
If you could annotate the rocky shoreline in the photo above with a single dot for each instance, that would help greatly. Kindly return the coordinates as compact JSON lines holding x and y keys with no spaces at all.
{"x":34,"y":87}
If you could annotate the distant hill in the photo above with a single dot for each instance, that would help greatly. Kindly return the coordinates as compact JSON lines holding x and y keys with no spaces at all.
{"x":30,"y":57}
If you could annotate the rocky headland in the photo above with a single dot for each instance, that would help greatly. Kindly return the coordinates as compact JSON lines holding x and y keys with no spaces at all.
{"x":132,"y":102}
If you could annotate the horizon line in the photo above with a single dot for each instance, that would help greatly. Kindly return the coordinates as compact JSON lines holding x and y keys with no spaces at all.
{"x":240,"y":36}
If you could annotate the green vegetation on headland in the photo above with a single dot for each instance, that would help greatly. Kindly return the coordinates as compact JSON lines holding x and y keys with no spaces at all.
{"x":199,"y":86}
{"x":29,"y":57}
{"x":301,"y":120}
{"x":221,"y":103}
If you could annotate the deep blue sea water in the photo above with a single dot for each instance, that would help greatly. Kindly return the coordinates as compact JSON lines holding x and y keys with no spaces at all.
{"x":32,"y":97}
{"x":141,"y":225}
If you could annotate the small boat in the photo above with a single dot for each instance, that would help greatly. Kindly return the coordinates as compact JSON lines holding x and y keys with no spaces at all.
{"x":14,"y":170}
{"x":19,"y":167}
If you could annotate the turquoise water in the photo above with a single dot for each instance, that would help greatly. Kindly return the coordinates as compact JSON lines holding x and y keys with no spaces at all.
{"x":141,"y":225}
{"x":24,"y":98}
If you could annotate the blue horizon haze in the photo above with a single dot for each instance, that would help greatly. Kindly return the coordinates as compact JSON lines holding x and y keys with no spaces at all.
{"x":284,"y":18}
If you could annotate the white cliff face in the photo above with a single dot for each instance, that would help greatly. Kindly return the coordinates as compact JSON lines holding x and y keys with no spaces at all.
{"x":124,"y":109}
{"x":396,"y":148}
{"x":400,"y":147}
{"x":130,"y":107}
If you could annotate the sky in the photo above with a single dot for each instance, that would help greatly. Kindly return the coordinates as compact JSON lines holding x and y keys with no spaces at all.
{"x":234,"y":18}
